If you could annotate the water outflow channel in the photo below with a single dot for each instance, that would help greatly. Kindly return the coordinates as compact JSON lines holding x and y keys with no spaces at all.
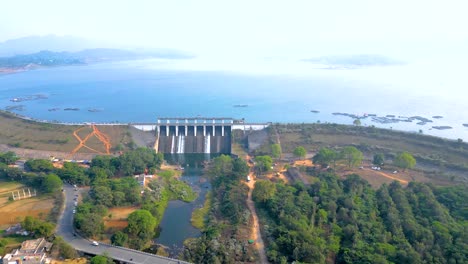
{"x":175,"y":226}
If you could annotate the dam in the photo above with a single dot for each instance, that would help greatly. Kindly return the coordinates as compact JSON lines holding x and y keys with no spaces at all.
{"x":193,"y":135}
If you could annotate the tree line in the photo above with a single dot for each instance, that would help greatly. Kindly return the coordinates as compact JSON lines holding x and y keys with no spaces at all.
{"x":346,"y":221}
{"x":228,"y":214}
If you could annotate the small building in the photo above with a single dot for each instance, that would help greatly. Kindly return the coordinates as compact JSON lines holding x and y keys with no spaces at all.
{"x":141,"y":179}
{"x":31,"y":252}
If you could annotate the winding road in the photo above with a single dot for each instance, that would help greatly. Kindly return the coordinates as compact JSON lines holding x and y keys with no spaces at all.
{"x":125,"y":255}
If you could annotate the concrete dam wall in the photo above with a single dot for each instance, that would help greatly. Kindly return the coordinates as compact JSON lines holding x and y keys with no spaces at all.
{"x":184,"y":135}
{"x":195,"y":144}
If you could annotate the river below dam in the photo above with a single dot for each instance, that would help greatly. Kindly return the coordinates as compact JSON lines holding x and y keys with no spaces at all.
{"x":175,"y":226}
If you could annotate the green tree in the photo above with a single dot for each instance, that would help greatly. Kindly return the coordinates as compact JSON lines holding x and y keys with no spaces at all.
{"x":300,"y":152}
{"x":39,"y":165}
{"x":404,"y":160}
{"x":51,"y":183}
{"x":65,"y":250}
{"x":91,"y":224}
{"x":8,"y":157}
{"x":45,"y":229}
{"x":119,"y":238}
{"x":221,"y":166}
{"x":240,"y":168}
{"x":263,"y":191}
{"x":276,"y":151}
{"x":138,"y":160}
{"x":263,"y":164}
{"x":325,"y":156}
{"x":29,"y":223}
{"x":11,"y":173}
{"x":357,"y":122}
{"x":103,"y":195}
{"x":141,"y":225}
{"x":352,"y":156}
{"x":73,"y":173}
{"x":101,"y":260}
{"x":378,"y":159}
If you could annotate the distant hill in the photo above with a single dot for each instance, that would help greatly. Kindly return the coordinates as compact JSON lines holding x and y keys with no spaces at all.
{"x":361,"y":60}
{"x":36,"y":44}
{"x":51,"y":58}
{"x":33,"y":44}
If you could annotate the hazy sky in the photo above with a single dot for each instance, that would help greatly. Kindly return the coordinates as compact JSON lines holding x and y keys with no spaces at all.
{"x":291,"y":28}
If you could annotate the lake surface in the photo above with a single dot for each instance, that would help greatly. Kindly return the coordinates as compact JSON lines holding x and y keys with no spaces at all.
{"x":140,"y":91}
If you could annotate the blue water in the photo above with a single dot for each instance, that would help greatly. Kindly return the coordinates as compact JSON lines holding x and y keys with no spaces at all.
{"x":135,"y":92}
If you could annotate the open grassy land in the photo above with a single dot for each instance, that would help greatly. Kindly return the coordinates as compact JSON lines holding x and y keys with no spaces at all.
{"x":440,"y":161}
{"x":14,"y":211}
{"x":27,"y":134}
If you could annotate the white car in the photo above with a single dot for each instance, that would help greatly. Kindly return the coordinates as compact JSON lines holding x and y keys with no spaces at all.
{"x":95,"y":243}
{"x":74,"y":211}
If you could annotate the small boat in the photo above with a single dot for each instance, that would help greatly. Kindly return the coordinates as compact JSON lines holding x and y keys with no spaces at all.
{"x":240,"y":105}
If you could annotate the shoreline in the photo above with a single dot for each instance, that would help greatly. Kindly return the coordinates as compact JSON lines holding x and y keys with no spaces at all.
{"x":135,"y":124}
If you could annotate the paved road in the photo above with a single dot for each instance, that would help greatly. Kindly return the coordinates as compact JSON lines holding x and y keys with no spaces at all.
{"x":65,"y":229}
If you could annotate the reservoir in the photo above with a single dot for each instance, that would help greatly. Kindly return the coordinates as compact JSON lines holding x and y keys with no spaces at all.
{"x":141,"y":91}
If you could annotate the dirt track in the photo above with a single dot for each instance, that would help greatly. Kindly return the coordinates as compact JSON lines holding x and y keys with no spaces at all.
{"x":256,"y":235}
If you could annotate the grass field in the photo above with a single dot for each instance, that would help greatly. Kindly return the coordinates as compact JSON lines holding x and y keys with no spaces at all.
{"x":14,"y":211}
{"x":28,"y":134}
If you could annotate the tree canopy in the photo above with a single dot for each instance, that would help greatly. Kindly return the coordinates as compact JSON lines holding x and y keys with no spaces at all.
{"x":378,"y":159}
{"x":325,"y":156}
{"x":141,"y":227}
{"x":404,"y":160}
{"x":346,"y":221}
{"x":352,"y":156}
{"x":8,"y":157}
{"x":51,"y":183}
{"x":263,"y":164}
{"x":276,"y":151}
{"x":263,"y":191}
{"x":300,"y":152}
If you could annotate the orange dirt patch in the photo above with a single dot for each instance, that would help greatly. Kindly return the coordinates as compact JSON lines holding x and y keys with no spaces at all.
{"x":102,"y":137}
{"x":377,"y":178}
{"x":119,"y":217}
{"x":306,"y":162}
{"x":15,"y":211}
{"x":70,"y":261}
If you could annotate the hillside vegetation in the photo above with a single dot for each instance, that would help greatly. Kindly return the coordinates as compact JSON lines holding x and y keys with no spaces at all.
{"x":438,"y":157}
{"x":27,"y":134}
{"x":346,"y":221}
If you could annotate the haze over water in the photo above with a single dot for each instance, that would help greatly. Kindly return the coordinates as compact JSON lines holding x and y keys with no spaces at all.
{"x":275,"y":90}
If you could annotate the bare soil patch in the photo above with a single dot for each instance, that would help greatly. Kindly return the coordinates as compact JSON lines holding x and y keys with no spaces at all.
{"x":14,"y":211}
{"x":119,"y":217}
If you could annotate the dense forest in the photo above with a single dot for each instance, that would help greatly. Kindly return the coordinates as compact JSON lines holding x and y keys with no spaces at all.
{"x":346,"y":221}
{"x":222,"y":239}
